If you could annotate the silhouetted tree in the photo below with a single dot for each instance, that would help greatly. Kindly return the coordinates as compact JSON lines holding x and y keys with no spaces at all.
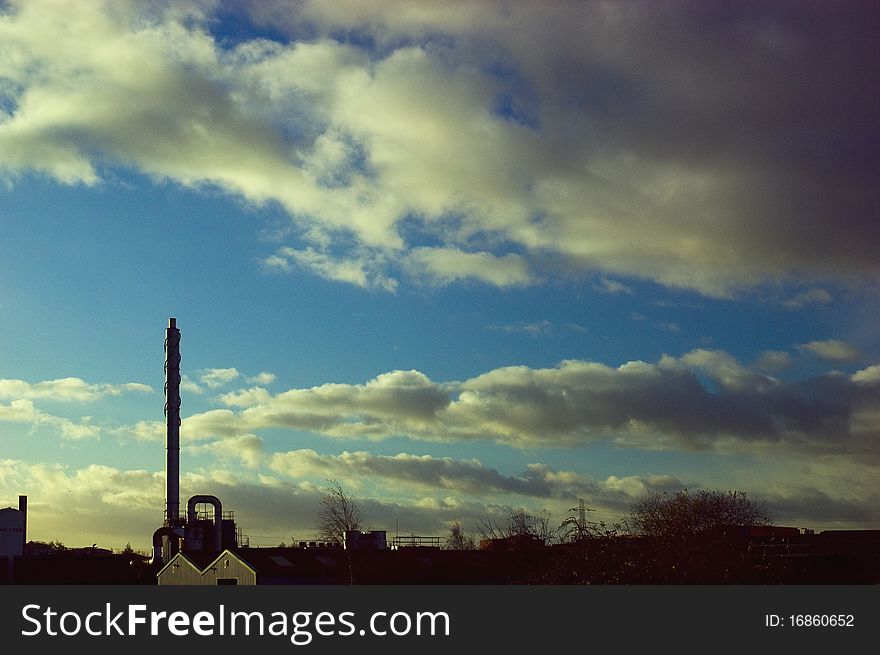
{"x":660,"y":514}
{"x":458,"y":539}
{"x":519,"y":524}
{"x":576,"y":527}
{"x":337,"y":514}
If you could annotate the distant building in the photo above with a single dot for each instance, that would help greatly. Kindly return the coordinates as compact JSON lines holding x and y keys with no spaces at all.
{"x":374,"y":540}
{"x":13,"y":536}
{"x":13,"y":529}
{"x":336,"y":566}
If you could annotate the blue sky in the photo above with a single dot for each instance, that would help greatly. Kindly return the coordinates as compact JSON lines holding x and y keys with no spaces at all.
{"x":461,"y":257}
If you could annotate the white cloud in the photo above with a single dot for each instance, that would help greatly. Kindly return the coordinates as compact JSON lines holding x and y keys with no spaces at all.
{"x":245,"y":398}
{"x":832,"y":350}
{"x":262,"y":378}
{"x":218,"y":377}
{"x":246,"y":448}
{"x":870,"y":375}
{"x":211,"y":424}
{"x":66,"y":389}
{"x":361,"y":271}
{"x":145,"y":430}
{"x":189,"y":386}
{"x":446,"y":265}
{"x":19,"y":411}
{"x":23,"y":411}
{"x":774,"y":360}
{"x":723,"y":368}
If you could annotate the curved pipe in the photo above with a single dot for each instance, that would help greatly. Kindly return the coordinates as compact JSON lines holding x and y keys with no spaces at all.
{"x":157,"y":542}
{"x":218,"y":515}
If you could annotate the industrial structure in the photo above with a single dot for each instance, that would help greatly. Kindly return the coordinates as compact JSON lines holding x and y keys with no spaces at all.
{"x":13,"y":534}
{"x":197,"y":531}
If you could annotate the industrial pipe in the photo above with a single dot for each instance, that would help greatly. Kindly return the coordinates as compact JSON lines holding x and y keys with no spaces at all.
{"x":157,"y":542}
{"x":218,"y":515}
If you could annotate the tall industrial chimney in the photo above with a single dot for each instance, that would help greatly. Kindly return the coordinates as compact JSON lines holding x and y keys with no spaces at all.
{"x":172,"y":424}
{"x":189,"y":531}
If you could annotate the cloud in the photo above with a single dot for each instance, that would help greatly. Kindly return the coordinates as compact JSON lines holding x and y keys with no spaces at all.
{"x":188,"y":385}
{"x":446,"y":265}
{"x":391,"y":402}
{"x":218,"y":377}
{"x":447,"y":474}
{"x":246,"y":448}
{"x":211,"y":424}
{"x":262,"y":379}
{"x":870,"y":375}
{"x":614,"y":287}
{"x":86,"y":505}
{"x":832,"y":350}
{"x":774,"y":360}
{"x":23,"y":411}
{"x":703,"y":400}
{"x":466,"y":478}
{"x":805,"y":505}
{"x":22,"y":394}
{"x":245,"y":398}
{"x":362,"y":271}
{"x":67,"y":390}
{"x":524,"y":143}
{"x":815,"y":296}
{"x":145,"y":431}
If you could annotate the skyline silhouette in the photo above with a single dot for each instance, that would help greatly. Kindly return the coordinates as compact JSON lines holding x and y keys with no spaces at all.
{"x":464,"y":258}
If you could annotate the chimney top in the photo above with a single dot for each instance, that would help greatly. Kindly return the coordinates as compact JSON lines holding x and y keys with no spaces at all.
{"x":172,"y":322}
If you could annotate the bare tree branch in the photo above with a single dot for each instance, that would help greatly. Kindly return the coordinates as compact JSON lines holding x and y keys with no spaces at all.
{"x":519,"y":524}
{"x":338,"y":514}
{"x":458,"y":539}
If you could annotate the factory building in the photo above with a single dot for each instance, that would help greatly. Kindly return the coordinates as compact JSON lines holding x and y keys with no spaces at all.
{"x":257,"y":566}
{"x":199,"y":533}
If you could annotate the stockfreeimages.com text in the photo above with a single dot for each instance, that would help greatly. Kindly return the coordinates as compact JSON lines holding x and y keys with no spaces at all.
{"x":301,"y":626}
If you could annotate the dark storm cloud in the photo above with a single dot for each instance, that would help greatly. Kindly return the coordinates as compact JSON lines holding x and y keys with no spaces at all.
{"x":734,"y":141}
{"x":812,"y":506}
{"x":712,"y":146}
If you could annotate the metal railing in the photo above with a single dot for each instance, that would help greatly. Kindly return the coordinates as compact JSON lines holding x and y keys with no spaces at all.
{"x":415,"y":541}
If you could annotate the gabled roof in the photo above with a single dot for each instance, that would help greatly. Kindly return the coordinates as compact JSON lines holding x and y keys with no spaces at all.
{"x":285,"y":562}
{"x":197,"y":560}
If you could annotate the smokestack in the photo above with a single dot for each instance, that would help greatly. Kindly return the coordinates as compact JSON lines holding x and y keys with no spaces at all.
{"x":172,"y":423}
{"x":22,"y":507}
